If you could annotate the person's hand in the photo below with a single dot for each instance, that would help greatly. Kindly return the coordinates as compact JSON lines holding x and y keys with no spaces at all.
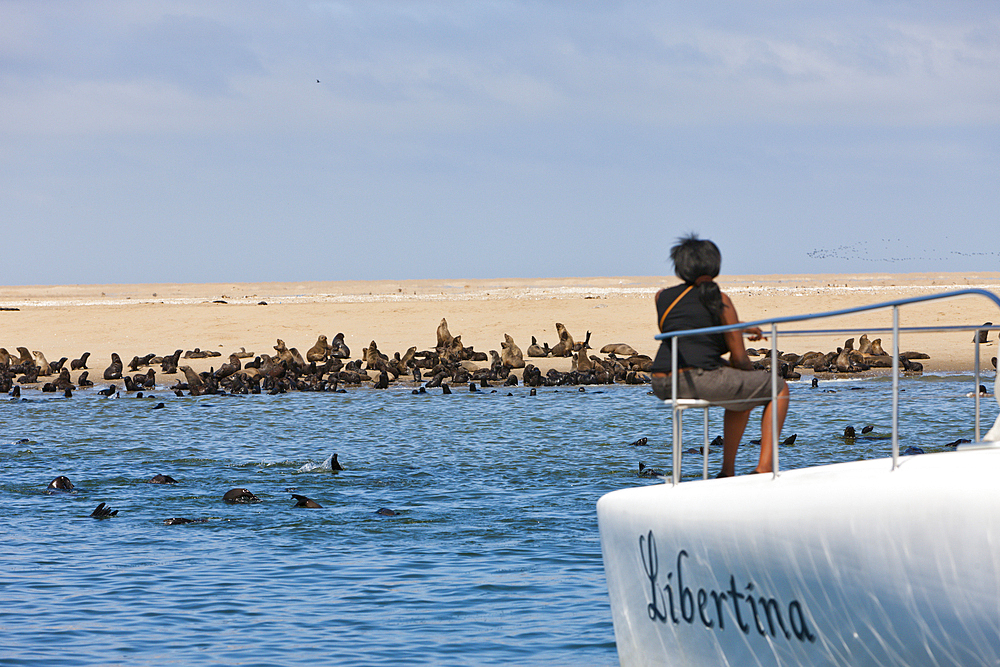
{"x":754,"y":333}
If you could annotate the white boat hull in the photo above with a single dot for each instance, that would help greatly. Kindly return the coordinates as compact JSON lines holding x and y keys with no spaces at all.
{"x":847,"y":564}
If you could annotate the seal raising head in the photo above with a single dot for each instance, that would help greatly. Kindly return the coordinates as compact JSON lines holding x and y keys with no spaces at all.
{"x":60,"y":483}
{"x":240,"y":496}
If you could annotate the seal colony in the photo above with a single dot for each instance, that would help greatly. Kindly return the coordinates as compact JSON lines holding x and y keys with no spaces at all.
{"x":328,"y":366}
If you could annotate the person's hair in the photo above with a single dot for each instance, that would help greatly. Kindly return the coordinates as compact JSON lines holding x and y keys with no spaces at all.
{"x":694,"y":258}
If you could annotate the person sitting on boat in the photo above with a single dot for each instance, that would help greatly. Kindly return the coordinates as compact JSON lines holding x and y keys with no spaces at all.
{"x":703,"y":373}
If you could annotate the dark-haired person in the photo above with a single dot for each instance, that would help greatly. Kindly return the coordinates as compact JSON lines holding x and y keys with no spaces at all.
{"x":702,"y":372}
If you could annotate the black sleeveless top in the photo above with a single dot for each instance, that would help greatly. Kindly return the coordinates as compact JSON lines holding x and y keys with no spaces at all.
{"x":699,"y":351}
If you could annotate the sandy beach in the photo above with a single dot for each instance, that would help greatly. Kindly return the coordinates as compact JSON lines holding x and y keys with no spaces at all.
{"x":65,"y":321}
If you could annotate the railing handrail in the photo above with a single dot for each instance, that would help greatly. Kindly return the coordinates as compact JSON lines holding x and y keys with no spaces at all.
{"x":834,"y":313}
{"x":673,"y":336}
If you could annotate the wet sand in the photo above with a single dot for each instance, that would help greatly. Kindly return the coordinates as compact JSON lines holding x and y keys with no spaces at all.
{"x":160,"y":318}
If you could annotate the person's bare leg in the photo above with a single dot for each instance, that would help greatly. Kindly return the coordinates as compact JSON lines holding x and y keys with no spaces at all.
{"x":733,"y":424}
{"x":766,"y":450}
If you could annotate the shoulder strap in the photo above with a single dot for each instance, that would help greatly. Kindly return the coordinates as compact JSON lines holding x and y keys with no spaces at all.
{"x":663,"y":317}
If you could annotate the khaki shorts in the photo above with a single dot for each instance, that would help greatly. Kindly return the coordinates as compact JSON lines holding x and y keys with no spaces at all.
{"x":729,"y":387}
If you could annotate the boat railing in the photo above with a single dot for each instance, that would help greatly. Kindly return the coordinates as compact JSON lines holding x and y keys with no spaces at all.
{"x":680,"y":405}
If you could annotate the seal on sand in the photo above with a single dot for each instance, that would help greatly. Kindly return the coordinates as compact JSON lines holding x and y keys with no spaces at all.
{"x":43,"y":366}
{"x":194,"y":381}
{"x":621,"y":349}
{"x":303,"y":501}
{"x":564,"y":347}
{"x":81,"y":363}
{"x":444,"y":336}
{"x":114,"y":371}
{"x":511,"y":354}
{"x":535,"y":350}
{"x":338,"y":348}
{"x":320,"y":351}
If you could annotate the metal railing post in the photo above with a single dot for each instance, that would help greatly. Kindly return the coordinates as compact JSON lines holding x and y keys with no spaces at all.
{"x":775,"y":369}
{"x":675,"y":473}
{"x":975,"y":384}
{"x":895,"y":387}
{"x":704,"y":451}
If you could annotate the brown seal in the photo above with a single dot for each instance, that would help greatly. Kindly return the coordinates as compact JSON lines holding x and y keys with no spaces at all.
{"x":564,"y":347}
{"x":511,"y":354}
{"x":622,"y":349}
{"x":320,"y":351}
{"x":339,"y":348}
{"x":240,"y":496}
{"x":582,"y":362}
{"x":44,"y":368}
{"x":303,"y":501}
{"x":444,"y":336}
{"x":535,"y":350}
{"x":114,"y":371}
{"x":60,"y":483}
{"x":81,"y":363}
{"x":194,"y":381}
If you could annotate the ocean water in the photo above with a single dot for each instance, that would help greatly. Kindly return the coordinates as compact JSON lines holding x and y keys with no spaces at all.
{"x":492,"y":559}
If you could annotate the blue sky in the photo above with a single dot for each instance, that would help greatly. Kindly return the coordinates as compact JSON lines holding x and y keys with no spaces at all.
{"x":191,"y":142}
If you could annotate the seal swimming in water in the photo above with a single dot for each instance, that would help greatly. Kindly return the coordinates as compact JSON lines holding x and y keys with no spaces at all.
{"x":385,"y":511}
{"x":648,"y":472}
{"x":161,"y":479}
{"x":103,"y":511}
{"x":303,"y":501}
{"x":60,"y":483}
{"x":180,"y":521}
{"x":240,"y":496}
